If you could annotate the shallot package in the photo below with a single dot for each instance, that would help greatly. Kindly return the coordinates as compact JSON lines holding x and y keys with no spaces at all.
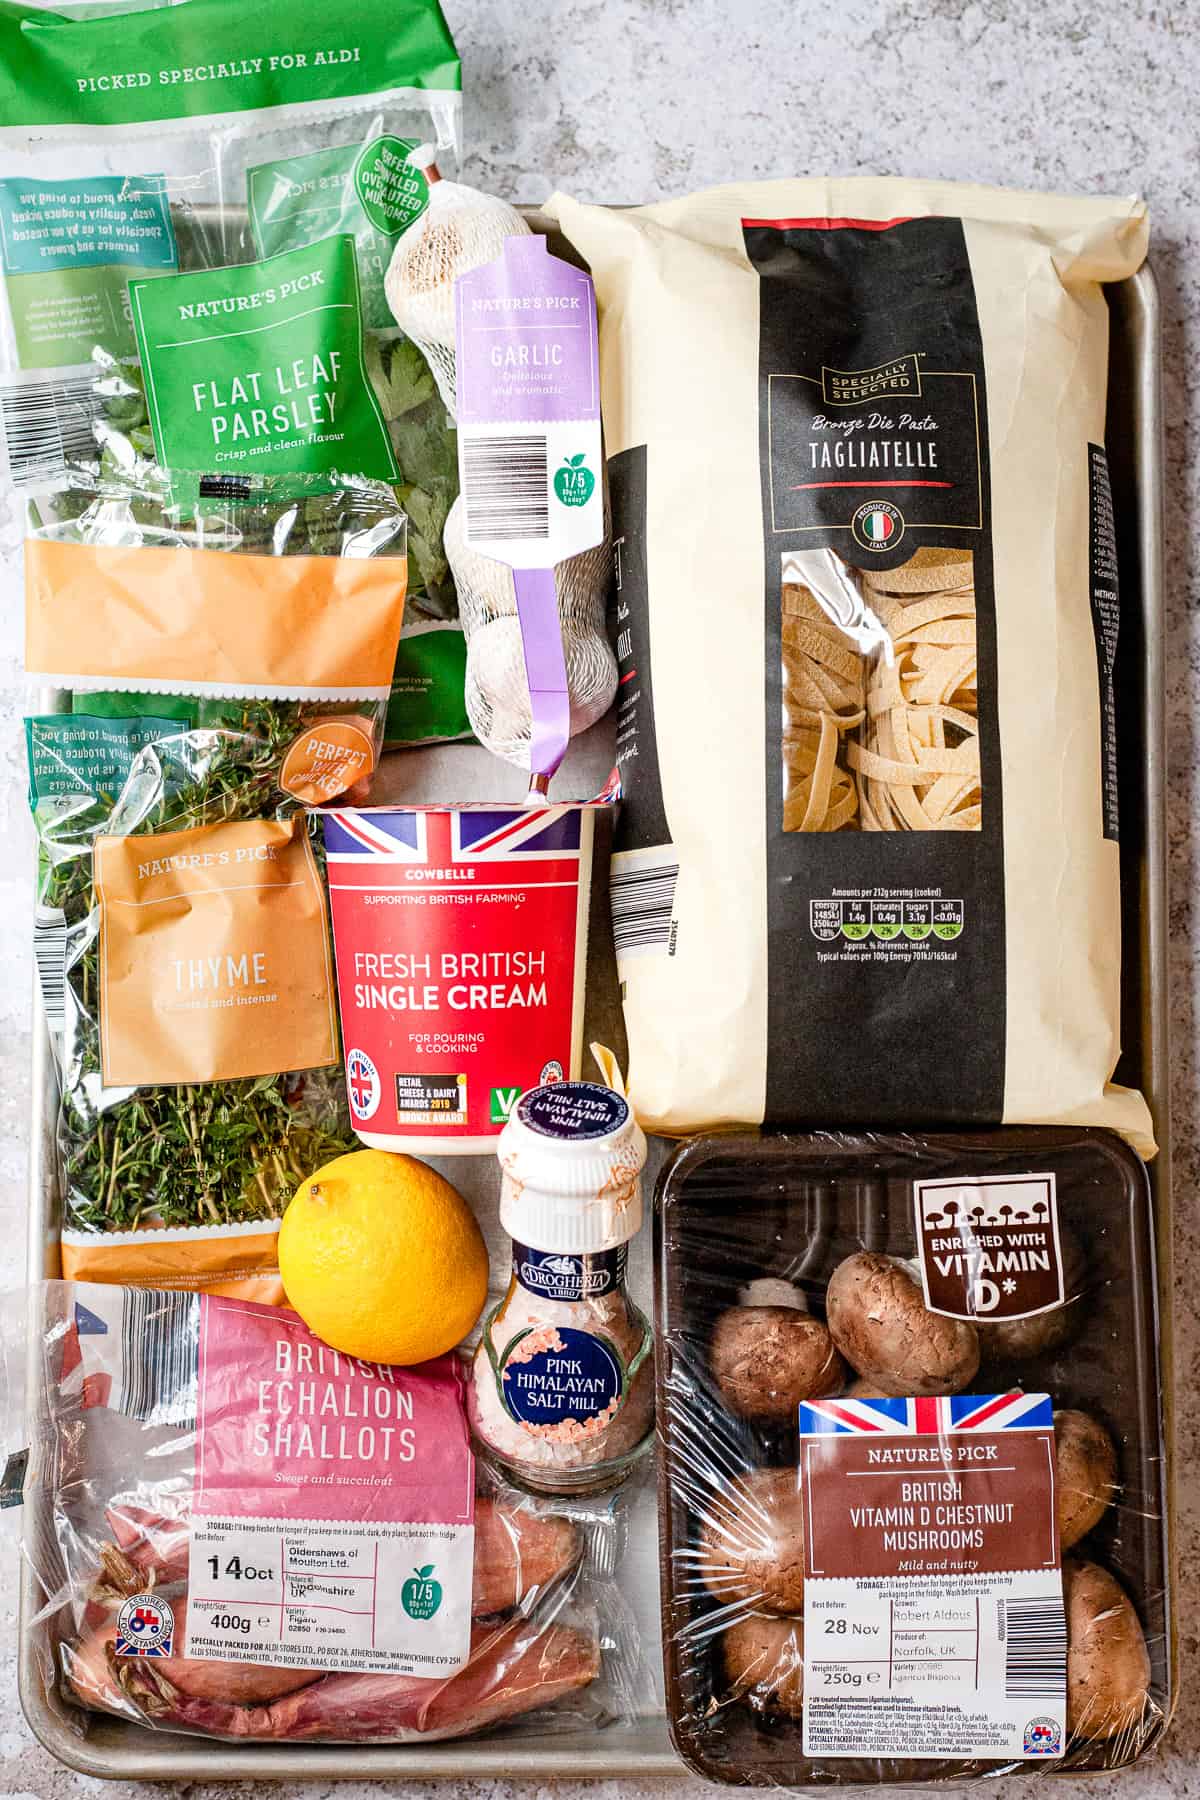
{"x":912,"y":1511}
{"x":245,"y":1534}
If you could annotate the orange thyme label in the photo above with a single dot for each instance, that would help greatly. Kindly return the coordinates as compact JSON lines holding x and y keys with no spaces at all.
{"x":208,"y":621}
{"x":327,"y":759}
{"x":214,"y":955}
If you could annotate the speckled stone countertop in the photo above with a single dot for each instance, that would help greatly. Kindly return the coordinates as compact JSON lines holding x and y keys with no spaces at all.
{"x":623,"y":100}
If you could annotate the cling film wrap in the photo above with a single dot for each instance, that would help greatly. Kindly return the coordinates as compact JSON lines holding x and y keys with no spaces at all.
{"x":980,"y":1303}
{"x":116,"y":1481}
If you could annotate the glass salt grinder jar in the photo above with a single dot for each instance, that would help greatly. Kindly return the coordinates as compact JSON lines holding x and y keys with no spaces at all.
{"x":562,"y":1391}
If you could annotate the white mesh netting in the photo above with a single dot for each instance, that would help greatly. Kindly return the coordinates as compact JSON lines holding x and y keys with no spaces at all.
{"x":460,"y":229}
{"x":497,"y":691}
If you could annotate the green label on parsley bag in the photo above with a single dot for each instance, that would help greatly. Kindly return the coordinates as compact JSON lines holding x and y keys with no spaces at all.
{"x":76,"y":754}
{"x":258,"y":368}
{"x":68,"y":249}
{"x":371,"y":191}
{"x":427,"y":704}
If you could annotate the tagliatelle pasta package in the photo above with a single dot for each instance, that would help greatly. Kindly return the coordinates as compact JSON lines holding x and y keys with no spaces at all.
{"x":868,"y":862}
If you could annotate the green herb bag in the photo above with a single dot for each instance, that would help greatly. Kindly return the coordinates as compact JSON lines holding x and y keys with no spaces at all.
{"x":209,"y":296}
{"x":180,"y":1185}
{"x":187,"y":714}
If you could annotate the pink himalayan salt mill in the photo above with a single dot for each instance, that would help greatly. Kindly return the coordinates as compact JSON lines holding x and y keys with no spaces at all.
{"x":562,"y":1394}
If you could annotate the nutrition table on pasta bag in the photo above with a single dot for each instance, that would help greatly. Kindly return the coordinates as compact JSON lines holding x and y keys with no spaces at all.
{"x":912,"y":926}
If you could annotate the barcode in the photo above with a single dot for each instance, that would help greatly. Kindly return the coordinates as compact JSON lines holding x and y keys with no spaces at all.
{"x":160,"y":1351}
{"x":1035,"y":1645}
{"x":48,"y":423}
{"x":506,"y":487}
{"x":643,"y":903}
{"x":50,"y":955}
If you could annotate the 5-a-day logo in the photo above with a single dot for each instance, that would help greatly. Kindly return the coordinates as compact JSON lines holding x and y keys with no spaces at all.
{"x":574,"y":483}
{"x":1043,"y":1737}
{"x":878,"y":525}
{"x":421,"y":1595}
{"x":145,"y":1627}
{"x":362,"y":1084}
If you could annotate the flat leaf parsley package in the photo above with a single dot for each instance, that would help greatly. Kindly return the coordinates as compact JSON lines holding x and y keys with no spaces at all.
{"x":229,"y":667}
{"x":197,"y":207}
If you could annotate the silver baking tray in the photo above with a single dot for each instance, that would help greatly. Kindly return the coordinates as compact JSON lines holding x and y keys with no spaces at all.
{"x":95,"y":1745}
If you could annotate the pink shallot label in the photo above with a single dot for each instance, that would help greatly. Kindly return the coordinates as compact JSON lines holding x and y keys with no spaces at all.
{"x":282,"y":1416}
{"x":334,"y":1502}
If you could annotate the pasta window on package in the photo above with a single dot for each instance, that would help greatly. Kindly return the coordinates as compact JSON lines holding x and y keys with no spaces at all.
{"x":880,"y":694}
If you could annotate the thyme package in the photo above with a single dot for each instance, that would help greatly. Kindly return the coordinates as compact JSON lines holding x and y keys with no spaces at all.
{"x":217,"y":691}
{"x":208,"y":298}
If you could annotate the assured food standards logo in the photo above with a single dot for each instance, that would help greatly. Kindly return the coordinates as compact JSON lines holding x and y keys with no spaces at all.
{"x":145,"y":1627}
{"x":1043,"y":1737}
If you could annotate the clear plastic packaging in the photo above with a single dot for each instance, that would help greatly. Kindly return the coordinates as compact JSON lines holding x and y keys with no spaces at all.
{"x":166,"y":1183}
{"x":217,"y":1158}
{"x":790,"y":1271}
{"x":462,"y":230}
{"x":293,"y":145}
{"x":112,"y":1479}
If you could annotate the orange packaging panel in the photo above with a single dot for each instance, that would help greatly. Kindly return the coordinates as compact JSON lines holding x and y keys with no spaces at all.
{"x":214,"y":954}
{"x":203,"y":619}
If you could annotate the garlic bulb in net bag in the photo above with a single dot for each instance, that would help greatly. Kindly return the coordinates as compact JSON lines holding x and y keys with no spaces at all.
{"x":460,"y":229}
{"x":497,"y":690}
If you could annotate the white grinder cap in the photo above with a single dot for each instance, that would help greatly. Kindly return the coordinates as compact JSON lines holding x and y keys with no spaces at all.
{"x":572,"y":1155}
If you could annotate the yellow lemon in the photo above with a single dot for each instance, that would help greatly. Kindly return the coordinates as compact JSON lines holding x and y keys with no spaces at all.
{"x":383,"y":1259}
